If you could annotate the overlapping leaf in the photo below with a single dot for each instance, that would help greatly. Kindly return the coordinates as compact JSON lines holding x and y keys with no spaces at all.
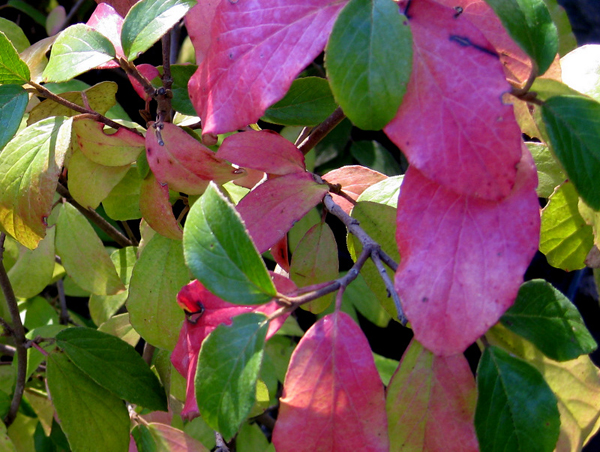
{"x":333,"y":397}
{"x":13,"y":101}
{"x":353,"y":180}
{"x":106,"y":21}
{"x":457,"y":81}
{"x":428,"y":397}
{"x":238,"y":79}
{"x":33,"y":270}
{"x":12,"y":68}
{"x":463,"y":258}
{"x":182,"y":162}
{"x":29,"y":170}
{"x":157,"y":210}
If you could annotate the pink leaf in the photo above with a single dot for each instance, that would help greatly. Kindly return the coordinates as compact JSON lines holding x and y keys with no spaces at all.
{"x":463,"y":258}
{"x":272,"y":208}
{"x":121,"y":6}
{"x":354,"y":179}
{"x":280,"y":253}
{"x":257,"y":50}
{"x":198,"y":22}
{"x":457,"y":82}
{"x":205,"y":312}
{"x":265,"y":151}
{"x":107,"y":21}
{"x":184,"y":163}
{"x":431,"y":403}
{"x":333,"y":397}
{"x":157,"y":210}
{"x":148,"y":71}
{"x":517,"y":65}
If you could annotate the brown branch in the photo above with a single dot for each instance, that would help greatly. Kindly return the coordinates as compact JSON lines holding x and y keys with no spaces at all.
{"x":78,"y":108}
{"x":94,"y":217}
{"x":319,"y":132}
{"x":18,"y":333}
{"x":148,"y":353}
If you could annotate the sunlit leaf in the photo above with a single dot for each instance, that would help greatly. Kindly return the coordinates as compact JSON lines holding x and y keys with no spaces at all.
{"x":123,"y":201}
{"x":12,"y":67}
{"x":29,"y":170}
{"x":353,"y":179}
{"x":383,"y":192}
{"x":15,"y":34}
{"x":170,"y":439}
{"x":581,"y":70}
{"x":108,"y":22}
{"x":550,"y":173}
{"x":157,"y":210}
{"x":333,"y":397}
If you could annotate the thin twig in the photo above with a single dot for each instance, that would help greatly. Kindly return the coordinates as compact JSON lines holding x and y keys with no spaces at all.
{"x":319,"y":132}
{"x":94,"y":217}
{"x":18,"y":333}
{"x":78,"y":108}
{"x":389,"y":285}
{"x":62,"y":300}
{"x":130,"y":233}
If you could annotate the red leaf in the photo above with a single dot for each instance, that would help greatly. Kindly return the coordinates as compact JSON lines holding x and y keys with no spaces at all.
{"x":205,"y":312}
{"x":148,"y":71}
{"x":463,"y":258}
{"x":107,"y":21}
{"x":332,"y":396}
{"x":156,"y":208}
{"x":121,"y":6}
{"x":354,"y":179}
{"x":457,"y":82}
{"x":517,"y":65}
{"x":184,"y":163}
{"x":431,"y":403}
{"x":198,"y":22}
{"x":272,"y":208}
{"x":257,"y":50}
{"x":279,"y":251}
{"x":265,"y":151}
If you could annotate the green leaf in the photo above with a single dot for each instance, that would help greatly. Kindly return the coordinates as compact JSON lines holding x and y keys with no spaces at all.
{"x":34,"y":269}
{"x":15,"y":34}
{"x":307,"y":103}
{"x":37,"y":312}
{"x":29,"y":169}
{"x":13,"y":101}
{"x":143,"y":439}
{"x":368,"y":75}
{"x":91,"y":416}
{"x":77,"y":49}
{"x":83,"y":255}
{"x":114,"y":365}
{"x":181,"y":75}
{"x":573,"y":127}
{"x":373,"y":155}
{"x":516,"y":409}
{"x":565,"y":238}
{"x":529,"y":23}
{"x":360,"y":295}
{"x":12,"y":68}
{"x":386,"y":367}
{"x":383,"y":192}
{"x":220,"y":253}
{"x":566,"y":38}
{"x":545,"y":317}
{"x":147,"y":21}
{"x":29,"y":10}
{"x":123,"y":202}
{"x":550,"y":173}
{"x":120,"y":326}
{"x":228,"y":367}
{"x":157,"y":277}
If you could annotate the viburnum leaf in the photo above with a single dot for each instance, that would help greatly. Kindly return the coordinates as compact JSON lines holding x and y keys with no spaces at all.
{"x":29,"y":169}
{"x":12,"y":68}
{"x":13,"y":101}
{"x":123,"y":201}
{"x":458,"y":79}
{"x":550,"y":173}
{"x":77,"y":49}
{"x":517,"y":64}
{"x":171,"y":439}
{"x":463,"y":258}
{"x":106,"y":21}
{"x":147,"y":21}
{"x":376,"y":157}
{"x":581,"y":70}
{"x":228,"y":367}
{"x":204,"y":312}
{"x":157,"y":276}
{"x":565,"y":238}
{"x":115,"y":149}
{"x":368,"y":76}
{"x":80,"y":401}
{"x":114,"y":365}
{"x":272,"y":208}
{"x":530,"y":25}
{"x":353,"y":179}
{"x":246,"y":37}
{"x":333,"y":398}
{"x":157,"y":210}
{"x":83,"y":254}
{"x":576,"y":384}
{"x":198,"y":22}
{"x":428,"y":398}
{"x":264,"y":150}
{"x":549,"y":320}
{"x":121,"y":6}
{"x":220,"y":254}
{"x":15,"y":34}
{"x":315,"y":261}
{"x":150,"y":72}
{"x":572,"y":123}
{"x":516,"y":409}
{"x":308,"y":103}
{"x":385,"y":192}
{"x":183,"y":162}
